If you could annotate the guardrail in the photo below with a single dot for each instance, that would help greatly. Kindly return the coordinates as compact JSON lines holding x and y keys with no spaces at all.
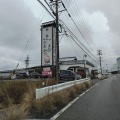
{"x":40,"y":93}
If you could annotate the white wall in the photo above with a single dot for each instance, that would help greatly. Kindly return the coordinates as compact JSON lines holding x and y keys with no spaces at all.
{"x":65,"y":67}
{"x":114,"y":68}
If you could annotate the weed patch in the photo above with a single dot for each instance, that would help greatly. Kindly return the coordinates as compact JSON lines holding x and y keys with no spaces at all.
{"x":23,"y":93}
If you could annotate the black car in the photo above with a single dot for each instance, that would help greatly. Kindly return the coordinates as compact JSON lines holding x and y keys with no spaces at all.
{"x":68,"y":75}
{"x":21,"y":75}
{"x":34,"y":75}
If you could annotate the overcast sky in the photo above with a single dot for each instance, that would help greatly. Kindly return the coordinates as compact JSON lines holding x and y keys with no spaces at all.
{"x":20,"y":22}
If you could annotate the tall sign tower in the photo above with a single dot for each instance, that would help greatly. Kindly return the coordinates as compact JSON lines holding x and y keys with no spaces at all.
{"x":48,"y":48}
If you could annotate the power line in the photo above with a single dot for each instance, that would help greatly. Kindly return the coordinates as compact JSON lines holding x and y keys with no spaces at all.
{"x":76,"y":37}
{"x":30,"y":39}
{"x":78,"y":28}
{"x":82,"y":19}
{"x":46,"y":9}
{"x":82,"y":26}
{"x":66,"y":26}
{"x":82,"y":48}
{"x":72,"y":34}
{"x":74,"y":48}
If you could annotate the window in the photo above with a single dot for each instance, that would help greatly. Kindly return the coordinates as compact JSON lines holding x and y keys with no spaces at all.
{"x":63,"y":72}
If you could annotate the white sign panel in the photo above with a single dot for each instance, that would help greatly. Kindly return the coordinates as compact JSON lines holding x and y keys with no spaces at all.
{"x":47,"y":46}
{"x":46,"y":69}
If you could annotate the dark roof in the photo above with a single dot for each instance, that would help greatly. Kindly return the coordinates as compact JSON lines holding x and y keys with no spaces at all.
{"x":72,"y":62}
{"x":68,"y":62}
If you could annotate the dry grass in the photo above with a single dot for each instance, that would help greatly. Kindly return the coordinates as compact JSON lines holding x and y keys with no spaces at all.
{"x":13,"y":92}
{"x":72,"y":91}
{"x":42,"y":106}
{"x":83,"y":87}
{"x":77,"y":87}
{"x":104,"y":77}
{"x":61,"y":97}
{"x":15,"y":114}
{"x":87,"y":84}
{"x":49,"y":103}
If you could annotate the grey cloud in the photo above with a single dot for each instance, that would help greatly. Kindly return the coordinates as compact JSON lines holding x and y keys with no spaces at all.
{"x":17,"y":22}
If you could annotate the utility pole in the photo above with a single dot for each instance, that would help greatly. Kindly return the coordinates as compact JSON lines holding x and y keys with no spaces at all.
{"x":100,"y":53}
{"x":106,"y":68}
{"x":55,"y":4}
{"x":57,"y":43}
{"x":84,"y":56}
{"x":27,"y":63}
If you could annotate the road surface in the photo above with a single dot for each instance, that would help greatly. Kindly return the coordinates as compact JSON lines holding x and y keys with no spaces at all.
{"x":100,"y":103}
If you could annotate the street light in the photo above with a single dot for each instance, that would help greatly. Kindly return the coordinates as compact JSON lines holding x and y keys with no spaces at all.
{"x":84,"y":56}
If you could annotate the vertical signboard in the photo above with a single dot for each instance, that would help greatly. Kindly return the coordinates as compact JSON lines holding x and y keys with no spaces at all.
{"x":48,"y":44}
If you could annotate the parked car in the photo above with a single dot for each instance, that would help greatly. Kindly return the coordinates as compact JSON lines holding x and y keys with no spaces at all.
{"x":78,"y":77}
{"x":34,"y":75}
{"x":81,"y":73}
{"x":21,"y":75}
{"x":68,"y":75}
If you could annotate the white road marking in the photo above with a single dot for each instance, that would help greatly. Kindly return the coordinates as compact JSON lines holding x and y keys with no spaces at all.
{"x":67,"y":106}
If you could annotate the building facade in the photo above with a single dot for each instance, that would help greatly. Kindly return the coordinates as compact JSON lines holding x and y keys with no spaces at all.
{"x":118,"y":65}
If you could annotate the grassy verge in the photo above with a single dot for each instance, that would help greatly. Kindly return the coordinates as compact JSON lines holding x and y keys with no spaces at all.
{"x":13,"y":92}
{"x":45,"y":106}
{"x":23,"y":93}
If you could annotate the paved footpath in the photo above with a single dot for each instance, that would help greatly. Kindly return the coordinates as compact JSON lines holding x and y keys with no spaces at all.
{"x":100,"y":103}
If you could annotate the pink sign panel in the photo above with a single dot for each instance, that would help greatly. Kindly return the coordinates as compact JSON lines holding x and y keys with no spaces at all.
{"x":46,"y":69}
{"x":47,"y":73}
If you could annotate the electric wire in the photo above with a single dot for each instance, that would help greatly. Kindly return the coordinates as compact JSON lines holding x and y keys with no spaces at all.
{"x":30,"y":39}
{"x":83,"y":28}
{"x":64,"y":23}
{"x":79,"y":16}
{"x":82,"y":48}
{"x":71,"y":33}
{"x":46,"y":9}
{"x":76,"y":37}
{"x":71,"y":42}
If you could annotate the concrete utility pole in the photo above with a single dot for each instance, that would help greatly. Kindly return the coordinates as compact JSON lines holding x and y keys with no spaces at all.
{"x":57,"y":43}
{"x":27,"y":63}
{"x":56,"y":4}
{"x":106,"y":68}
{"x":100,"y":53}
{"x":84,"y":56}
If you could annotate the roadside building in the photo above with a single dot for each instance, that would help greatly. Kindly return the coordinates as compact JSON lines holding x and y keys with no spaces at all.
{"x":82,"y":67}
{"x":94,"y":73}
{"x":118,"y":65}
{"x":114,"y":69}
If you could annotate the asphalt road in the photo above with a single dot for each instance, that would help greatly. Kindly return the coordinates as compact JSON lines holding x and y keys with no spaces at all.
{"x":100,"y":103}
